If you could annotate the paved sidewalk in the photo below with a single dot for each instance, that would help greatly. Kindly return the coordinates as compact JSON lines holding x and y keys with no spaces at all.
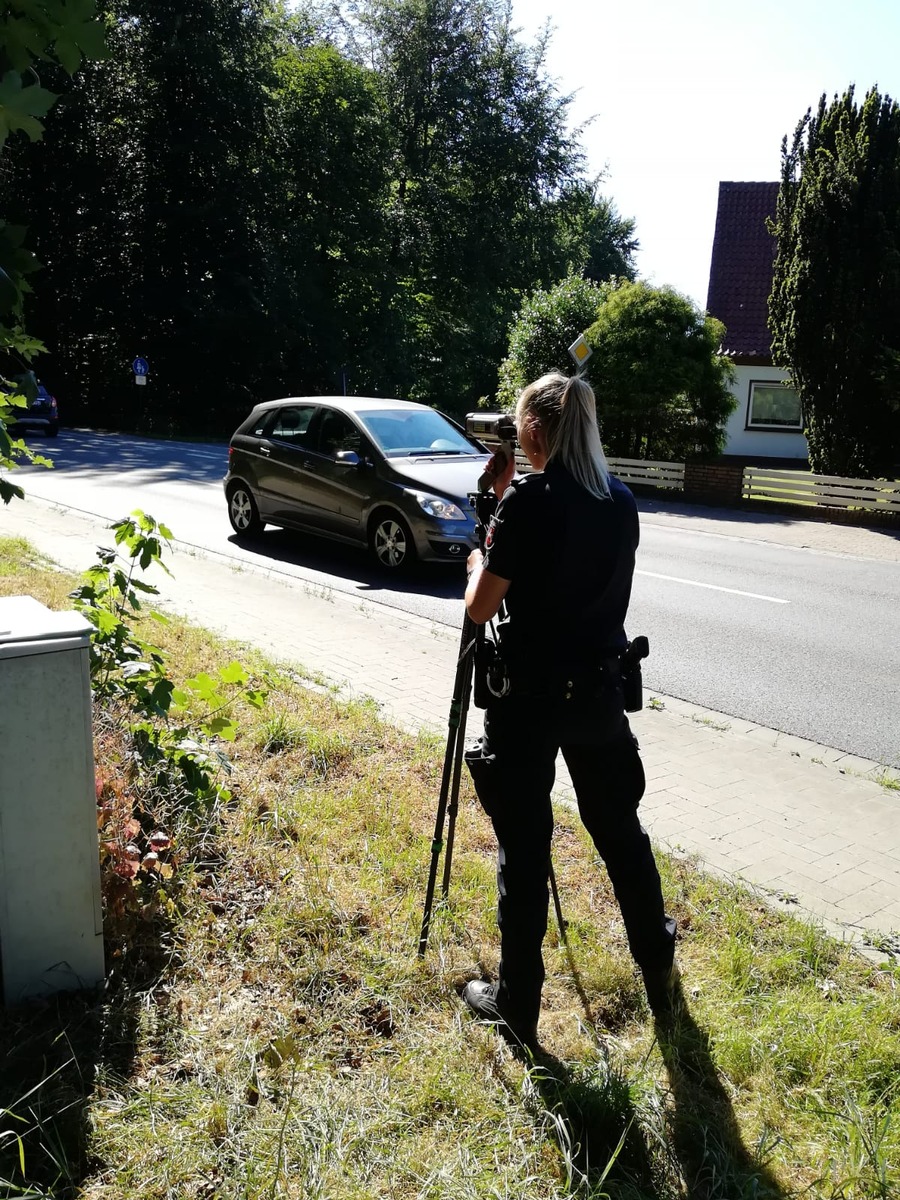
{"x":808,"y":824}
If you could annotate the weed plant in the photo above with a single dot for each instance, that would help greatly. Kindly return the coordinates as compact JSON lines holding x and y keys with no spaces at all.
{"x":281,"y":1038}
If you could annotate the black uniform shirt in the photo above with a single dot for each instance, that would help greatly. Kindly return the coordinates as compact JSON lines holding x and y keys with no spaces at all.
{"x":569,"y":557}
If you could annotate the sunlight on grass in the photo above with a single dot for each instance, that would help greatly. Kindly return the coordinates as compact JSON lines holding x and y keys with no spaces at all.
{"x":292,"y":1044}
{"x":20,"y":560}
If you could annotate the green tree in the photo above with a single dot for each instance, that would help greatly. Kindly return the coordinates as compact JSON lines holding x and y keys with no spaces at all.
{"x":327,"y":228}
{"x":480,"y":157}
{"x":593,"y":238}
{"x":258,"y":204}
{"x":199,"y":152}
{"x":79,"y":201}
{"x":548,"y":323}
{"x":834,"y":310}
{"x":151,"y":196}
{"x":32,"y":32}
{"x":661,"y":385}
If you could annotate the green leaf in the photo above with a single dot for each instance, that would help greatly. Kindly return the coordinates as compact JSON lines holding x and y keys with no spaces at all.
{"x":14,"y":400}
{"x":162,"y":695}
{"x":92,"y":40}
{"x":9,"y":491}
{"x":22,"y":107}
{"x":68,"y":55}
{"x":233,"y":673}
{"x":24,"y":40}
{"x":125,"y":531}
{"x":106,"y":621}
{"x":222,"y":727}
{"x":78,"y":34}
{"x":149,"y":550}
{"x":202,"y":685}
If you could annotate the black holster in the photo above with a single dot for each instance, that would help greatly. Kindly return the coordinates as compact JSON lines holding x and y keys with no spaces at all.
{"x":633,"y":687}
{"x":483,"y":770}
{"x":632,"y":677}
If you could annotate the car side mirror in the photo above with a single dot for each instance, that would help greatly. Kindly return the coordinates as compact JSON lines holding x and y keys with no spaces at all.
{"x":347,"y":458}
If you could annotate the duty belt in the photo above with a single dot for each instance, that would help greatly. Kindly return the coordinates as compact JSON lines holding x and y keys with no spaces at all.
{"x":580,"y":684}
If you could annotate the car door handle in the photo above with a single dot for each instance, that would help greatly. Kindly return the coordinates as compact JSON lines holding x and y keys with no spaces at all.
{"x":265,"y":451}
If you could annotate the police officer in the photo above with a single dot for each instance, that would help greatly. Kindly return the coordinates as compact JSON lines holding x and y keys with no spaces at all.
{"x":560,"y":552}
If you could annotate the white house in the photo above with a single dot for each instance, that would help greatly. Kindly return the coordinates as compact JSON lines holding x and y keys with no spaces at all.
{"x":767,"y":422}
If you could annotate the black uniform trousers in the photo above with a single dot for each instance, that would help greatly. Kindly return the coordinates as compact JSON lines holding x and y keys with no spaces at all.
{"x":513,"y":768}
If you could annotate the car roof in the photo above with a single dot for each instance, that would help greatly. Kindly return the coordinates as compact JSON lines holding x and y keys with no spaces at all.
{"x":346,"y":403}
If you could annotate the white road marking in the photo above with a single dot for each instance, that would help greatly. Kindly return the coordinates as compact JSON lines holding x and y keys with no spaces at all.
{"x":714,"y":587}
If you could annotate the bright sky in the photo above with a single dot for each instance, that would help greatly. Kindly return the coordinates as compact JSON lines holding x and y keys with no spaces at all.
{"x":685,"y":93}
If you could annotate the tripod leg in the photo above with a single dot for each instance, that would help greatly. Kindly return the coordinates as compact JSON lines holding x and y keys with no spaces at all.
{"x":564,"y":938}
{"x":556,"y":904}
{"x":457,"y":772}
{"x":456,"y":722}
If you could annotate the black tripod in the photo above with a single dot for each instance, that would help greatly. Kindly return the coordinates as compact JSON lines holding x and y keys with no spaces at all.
{"x":448,"y":802}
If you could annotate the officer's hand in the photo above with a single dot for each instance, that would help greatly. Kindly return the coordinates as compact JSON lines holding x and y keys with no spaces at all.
{"x":505,"y":465}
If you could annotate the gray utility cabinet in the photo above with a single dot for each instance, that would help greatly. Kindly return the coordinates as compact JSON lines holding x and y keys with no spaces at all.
{"x":51,"y":927}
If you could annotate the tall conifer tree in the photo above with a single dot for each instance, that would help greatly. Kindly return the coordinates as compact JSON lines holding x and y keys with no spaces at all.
{"x":834,"y":310}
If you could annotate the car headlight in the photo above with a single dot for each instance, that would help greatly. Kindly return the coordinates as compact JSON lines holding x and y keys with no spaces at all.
{"x":443,"y":510}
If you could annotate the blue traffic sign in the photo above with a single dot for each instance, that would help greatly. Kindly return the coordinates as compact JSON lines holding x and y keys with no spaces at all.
{"x":140,"y":366}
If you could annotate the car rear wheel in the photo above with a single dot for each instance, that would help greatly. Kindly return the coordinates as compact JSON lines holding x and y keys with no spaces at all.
{"x":242,"y":511}
{"x":53,"y":429}
{"x":392,"y":543}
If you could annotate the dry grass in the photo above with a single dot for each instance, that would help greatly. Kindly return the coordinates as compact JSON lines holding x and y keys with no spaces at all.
{"x":286,"y":1041}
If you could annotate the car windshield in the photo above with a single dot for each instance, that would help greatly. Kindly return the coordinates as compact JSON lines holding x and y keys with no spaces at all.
{"x":420,"y":431}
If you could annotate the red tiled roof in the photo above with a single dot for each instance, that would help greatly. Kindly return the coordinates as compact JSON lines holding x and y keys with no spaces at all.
{"x":740,"y":274}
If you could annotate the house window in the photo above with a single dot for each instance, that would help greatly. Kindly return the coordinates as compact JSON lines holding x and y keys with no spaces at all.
{"x":773,"y":406}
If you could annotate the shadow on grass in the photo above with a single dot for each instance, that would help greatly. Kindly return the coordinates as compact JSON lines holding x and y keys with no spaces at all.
{"x":614,"y":1146}
{"x":591,"y":1115}
{"x":53,"y":1052}
{"x":59,"y":1055}
{"x":705,"y":1136}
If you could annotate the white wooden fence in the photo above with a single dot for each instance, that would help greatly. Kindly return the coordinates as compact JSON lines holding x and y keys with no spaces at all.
{"x":764,"y":483}
{"x":827,"y":491}
{"x":631,"y":470}
{"x":649,"y":474}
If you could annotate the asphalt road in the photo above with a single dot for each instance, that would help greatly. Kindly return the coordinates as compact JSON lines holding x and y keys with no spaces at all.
{"x":798,"y":639}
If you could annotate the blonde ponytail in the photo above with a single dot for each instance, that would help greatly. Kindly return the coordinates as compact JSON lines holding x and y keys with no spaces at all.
{"x":567,"y":411}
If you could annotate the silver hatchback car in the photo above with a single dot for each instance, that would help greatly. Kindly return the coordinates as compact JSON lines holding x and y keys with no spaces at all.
{"x":386,"y":474}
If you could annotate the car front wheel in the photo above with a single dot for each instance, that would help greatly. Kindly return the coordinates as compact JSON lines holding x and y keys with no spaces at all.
{"x":242,"y":512}
{"x":392,"y":543}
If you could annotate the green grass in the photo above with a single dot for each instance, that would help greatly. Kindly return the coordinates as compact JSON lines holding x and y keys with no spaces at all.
{"x":889,"y":780}
{"x":277,"y":1035}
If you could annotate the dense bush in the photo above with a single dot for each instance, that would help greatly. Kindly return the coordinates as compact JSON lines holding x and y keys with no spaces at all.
{"x":661,"y":385}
